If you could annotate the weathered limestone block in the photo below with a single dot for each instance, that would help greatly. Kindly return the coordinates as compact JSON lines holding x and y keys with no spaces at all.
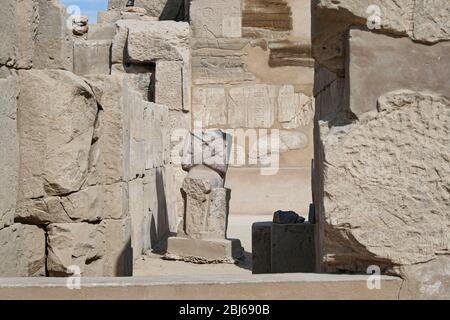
{"x":22,"y":248}
{"x":9,"y":33}
{"x":225,"y":68}
{"x":19,"y":20}
{"x":92,"y":57}
{"x":102,"y":31}
{"x":75,"y":244}
{"x":41,"y":211}
{"x":118,"y":255}
{"x":211,"y":148}
{"x":427,"y":281}
{"x":115,"y":201}
{"x":169,"y":86}
{"x":55,"y":132}
{"x":118,"y":51}
{"x":140,"y":218}
{"x":202,"y":236}
{"x":150,"y":41}
{"x":82,"y":206}
{"x":9,"y":146}
{"x":85,"y":205}
{"x":216,"y":18}
{"x":155,"y":121}
{"x":157,"y":219}
{"x":110,"y":16}
{"x":253,"y":105}
{"x":294,"y":109}
{"x":110,"y":161}
{"x":423,"y":20}
{"x":392,"y":70}
{"x":137,"y":153}
{"x":80,"y":26}
{"x":54,"y":44}
{"x":206,"y":207}
{"x":209,"y":106}
{"x":388,"y":171}
{"x":174,"y":176}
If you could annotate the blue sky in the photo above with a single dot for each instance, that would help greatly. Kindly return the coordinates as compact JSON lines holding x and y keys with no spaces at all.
{"x":88,"y":7}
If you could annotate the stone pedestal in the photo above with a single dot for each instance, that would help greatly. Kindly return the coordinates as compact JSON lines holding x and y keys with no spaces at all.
{"x":203,"y":238}
{"x":204,"y":251}
{"x":288,"y":248}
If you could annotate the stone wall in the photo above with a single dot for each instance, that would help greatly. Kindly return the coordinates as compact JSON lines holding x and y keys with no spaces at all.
{"x":87,"y":176}
{"x":382,"y":161}
{"x":252,"y":73}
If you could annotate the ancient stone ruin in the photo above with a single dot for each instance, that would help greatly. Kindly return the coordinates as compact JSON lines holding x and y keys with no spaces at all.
{"x":145,"y":131}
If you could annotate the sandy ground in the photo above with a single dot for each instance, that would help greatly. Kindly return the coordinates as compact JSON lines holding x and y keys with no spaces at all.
{"x":239,"y":226}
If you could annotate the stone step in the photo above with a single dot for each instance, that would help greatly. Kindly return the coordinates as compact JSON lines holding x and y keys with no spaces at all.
{"x":245,"y":287}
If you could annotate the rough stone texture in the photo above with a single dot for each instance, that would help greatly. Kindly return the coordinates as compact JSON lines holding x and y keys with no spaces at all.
{"x":109,"y":160}
{"x":92,"y":57}
{"x":22,"y":248}
{"x":54,"y":44}
{"x":204,"y":251}
{"x":392,"y":70}
{"x":169,"y":88}
{"x":160,"y":40}
{"x":55,"y":132}
{"x":216,"y":18}
{"x":211,"y":148}
{"x":427,"y":281}
{"x":423,"y":20}
{"x":9,"y":161}
{"x":102,"y":31}
{"x":380,"y":163}
{"x":209,"y":106}
{"x":75,"y":244}
{"x":294,"y":109}
{"x":118,"y":260}
{"x":396,"y":157}
{"x":19,"y":20}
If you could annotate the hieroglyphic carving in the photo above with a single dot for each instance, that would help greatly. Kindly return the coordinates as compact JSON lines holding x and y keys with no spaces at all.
{"x":216,"y":18}
{"x":209,"y":106}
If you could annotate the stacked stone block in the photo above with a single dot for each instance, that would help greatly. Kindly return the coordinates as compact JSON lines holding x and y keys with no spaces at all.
{"x":252,"y":70}
{"x":382,"y":114}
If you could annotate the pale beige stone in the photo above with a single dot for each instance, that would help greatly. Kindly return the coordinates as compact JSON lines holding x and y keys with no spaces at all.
{"x":9,"y":145}
{"x":75,"y":244}
{"x":115,"y":201}
{"x":54,"y":44}
{"x":149,"y":41}
{"x":118,"y":255}
{"x":260,"y":101}
{"x":294,"y":109}
{"x":387,"y":172}
{"x":209,"y":106}
{"x":92,"y":57}
{"x":422,"y":20}
{"x":55,"y":132}
{"x":216,"y":18}
{"x":109,"y":161}
{"x":140,"y":221}
{"x":85,"y":205}
{"x":102,"y":31}
{"x":403,"y":64}
{"x":169,"y":88}
{"x":22,"y":248}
